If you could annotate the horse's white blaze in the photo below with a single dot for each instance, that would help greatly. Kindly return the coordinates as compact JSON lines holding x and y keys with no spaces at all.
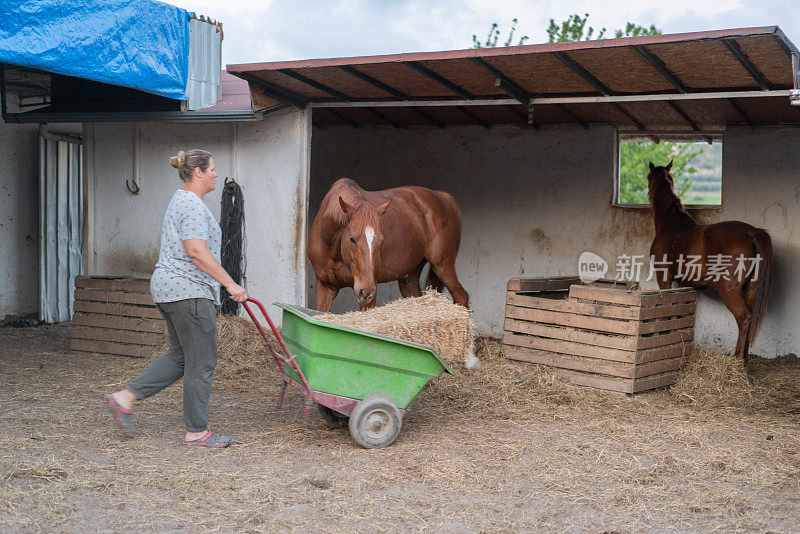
{"x":370,"y":234}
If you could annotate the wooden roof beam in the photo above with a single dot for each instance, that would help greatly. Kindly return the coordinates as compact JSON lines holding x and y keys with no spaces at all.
{"x":659,"y":65}
{"x":527,"y":118}
{"x":276,"y":92}
{"x":382,"y":117}
{"x":587,"y":76}
{"x":748,"y":64}
{"x":375,"y":83}
{"x":474,"y":117}
{"x":638,"y":124}
{"x":688,"y":119}
{"x":509,"y":86}
{"x":441,"y":80}
{"x":574,"y":116}
{"x":661,"y":97}
{"x":741,"y":112}
{"x":341,"y":117}
{"x":315,"y":84}
{"x":792,"y":53}
{"x":427,"y":117}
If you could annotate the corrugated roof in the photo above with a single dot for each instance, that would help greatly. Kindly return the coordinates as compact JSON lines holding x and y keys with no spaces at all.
{"x":692,"y":81}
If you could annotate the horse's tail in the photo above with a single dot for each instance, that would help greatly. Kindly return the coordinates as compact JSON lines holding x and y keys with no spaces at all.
{"x":766,"y":270}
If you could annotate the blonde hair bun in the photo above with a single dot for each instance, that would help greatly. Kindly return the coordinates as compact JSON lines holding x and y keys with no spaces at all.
{"x":179,"y":160}
{"x":187,"y":162}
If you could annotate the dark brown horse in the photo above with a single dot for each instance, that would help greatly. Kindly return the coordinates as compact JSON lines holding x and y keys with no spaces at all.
{"x":731,"y":257}
{"x":362,"y":238}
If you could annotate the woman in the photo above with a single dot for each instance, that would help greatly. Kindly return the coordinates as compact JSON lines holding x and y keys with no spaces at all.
{"x":185,"y":285}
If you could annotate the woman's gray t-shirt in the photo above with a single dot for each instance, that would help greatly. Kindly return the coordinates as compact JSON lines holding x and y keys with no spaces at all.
{"x":176,"y":277}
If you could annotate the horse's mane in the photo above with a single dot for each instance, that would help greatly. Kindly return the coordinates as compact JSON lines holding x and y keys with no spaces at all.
{"x":667,"y":207}
{"x":350,"y":193}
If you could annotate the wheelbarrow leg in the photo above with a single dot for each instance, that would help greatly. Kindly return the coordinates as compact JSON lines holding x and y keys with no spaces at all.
{"x":281,"y":394}
{"x":306,"y":411}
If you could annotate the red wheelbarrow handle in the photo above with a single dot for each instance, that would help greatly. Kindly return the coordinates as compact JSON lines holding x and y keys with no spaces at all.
{"x":289,"y":358}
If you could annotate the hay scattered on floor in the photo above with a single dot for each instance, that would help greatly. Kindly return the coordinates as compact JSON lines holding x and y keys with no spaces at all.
{"x":597,"y":461}
{"x":432,"y":319}
{"x":709,"y":381}
{"x":505,"y":388}
{"x":242,"y":353}
{"x":713,"y":380}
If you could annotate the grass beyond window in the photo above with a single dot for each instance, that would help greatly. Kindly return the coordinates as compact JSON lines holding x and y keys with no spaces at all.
{"x":696,"y":168}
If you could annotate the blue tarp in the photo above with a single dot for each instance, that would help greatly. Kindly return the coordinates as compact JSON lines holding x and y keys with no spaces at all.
{"x":141,"y":44}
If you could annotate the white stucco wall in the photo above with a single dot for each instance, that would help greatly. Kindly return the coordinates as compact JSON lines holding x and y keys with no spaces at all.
{"x":269,"y":159}
{"x":19,"y":219}
{"x":761,"y":186}
{"x":533,"y":200}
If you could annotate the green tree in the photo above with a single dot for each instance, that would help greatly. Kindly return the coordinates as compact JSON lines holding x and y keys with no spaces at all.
{"x":494,"y":35}
{"x":634,"y":156}
{"x":572,"y":29}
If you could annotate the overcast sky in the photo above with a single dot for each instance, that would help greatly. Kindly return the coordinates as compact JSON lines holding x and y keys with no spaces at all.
{"x":273,"y":30}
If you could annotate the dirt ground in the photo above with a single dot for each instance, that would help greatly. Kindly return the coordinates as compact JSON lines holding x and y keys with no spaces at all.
{"x":471,"y":456}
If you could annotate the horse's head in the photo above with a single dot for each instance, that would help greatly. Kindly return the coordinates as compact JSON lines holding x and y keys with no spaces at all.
{"x":660,"y":179}
{"x":360,"y":245}
{"x":658,"y":175}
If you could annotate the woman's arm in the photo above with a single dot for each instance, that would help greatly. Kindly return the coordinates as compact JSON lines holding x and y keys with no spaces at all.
{"x":197,"y":250}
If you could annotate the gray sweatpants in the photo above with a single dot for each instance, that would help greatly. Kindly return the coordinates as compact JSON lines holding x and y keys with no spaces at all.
{"x":192,"y":328}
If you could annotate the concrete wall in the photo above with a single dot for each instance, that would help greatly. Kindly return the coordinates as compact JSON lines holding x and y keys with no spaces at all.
{"x":761,"y":186}
{"x":269,"y":159}
{"x":533,"y":200}
{"x":19,"y":219}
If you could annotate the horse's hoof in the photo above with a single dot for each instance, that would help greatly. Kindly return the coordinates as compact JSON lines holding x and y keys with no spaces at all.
{"x":472,"y":363}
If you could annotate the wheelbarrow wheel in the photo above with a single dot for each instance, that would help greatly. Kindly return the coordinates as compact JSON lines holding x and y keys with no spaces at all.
{"x":375,"y":422}
{"x":332,"y":417}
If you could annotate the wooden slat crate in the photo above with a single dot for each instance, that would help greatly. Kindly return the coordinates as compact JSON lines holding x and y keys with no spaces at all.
{"x":115,"y":315}
{"x":606,"y":335}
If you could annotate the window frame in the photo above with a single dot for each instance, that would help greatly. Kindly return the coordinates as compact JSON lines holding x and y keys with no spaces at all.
{"x":679,"y":138}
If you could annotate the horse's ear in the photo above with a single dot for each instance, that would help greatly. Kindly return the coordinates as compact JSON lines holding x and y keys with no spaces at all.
{"x":669,"y":167}
{"x":652,"y":167}
{"x":383,"y":207}
{"x":346,"y":208}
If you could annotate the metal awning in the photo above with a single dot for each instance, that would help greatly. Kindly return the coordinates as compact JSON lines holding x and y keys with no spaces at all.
{"x":693,"y":82}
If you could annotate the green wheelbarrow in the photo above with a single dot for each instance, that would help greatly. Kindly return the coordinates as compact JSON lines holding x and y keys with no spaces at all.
{"x":365,"y":378}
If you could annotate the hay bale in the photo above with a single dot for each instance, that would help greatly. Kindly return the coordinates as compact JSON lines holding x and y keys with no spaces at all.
{"x":242,"y":353}
{"x":432,"y":319}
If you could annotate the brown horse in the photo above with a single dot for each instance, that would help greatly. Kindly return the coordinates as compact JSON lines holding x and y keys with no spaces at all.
{"x":731,"y":257}
{"x":361,"y":238}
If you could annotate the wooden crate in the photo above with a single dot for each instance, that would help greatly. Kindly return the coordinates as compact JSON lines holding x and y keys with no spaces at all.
{"x":115,"y":315}
{"x":605,"y":334}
